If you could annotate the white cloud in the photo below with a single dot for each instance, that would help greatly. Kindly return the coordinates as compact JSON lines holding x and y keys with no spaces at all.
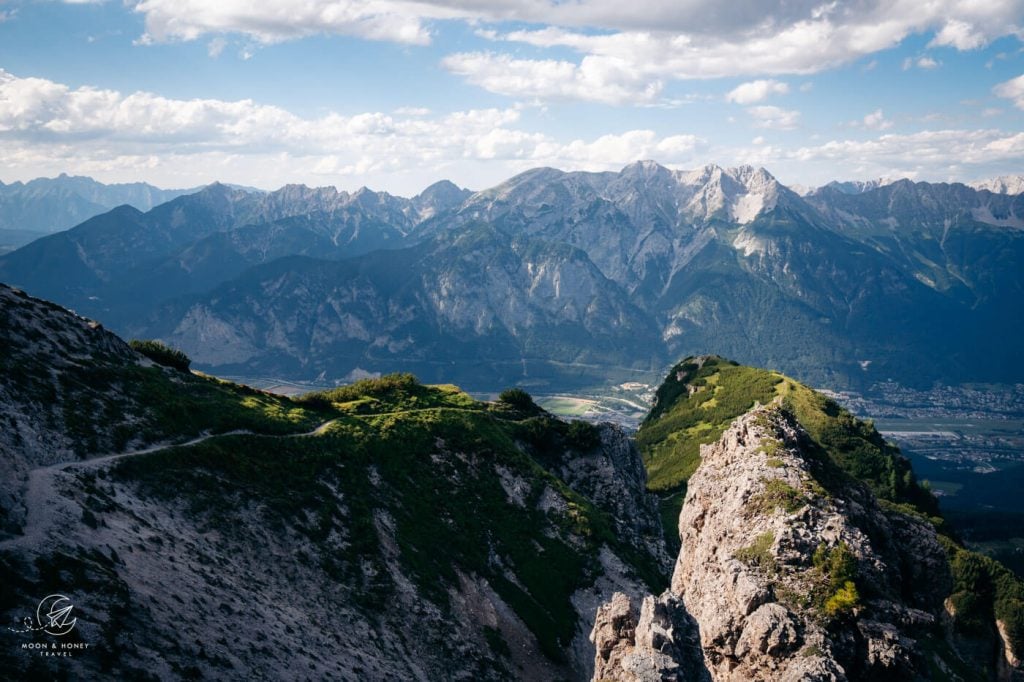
{"x":924,"y":62}
{"x":876,"y":121}
{"x":1013,"y":90}
{"x":959,"y":34}
{"x":611,"y":152}
{"x":756,"y":91}
{"x":632,"y":48}
{"x":938,"y":155}
{"x":48,"y":127}
{"x":270,"y":22}
{"x":597,"y":79}
{"x":929,"y":149}
{"x":865,"y":25}
{"x":766,"y":116}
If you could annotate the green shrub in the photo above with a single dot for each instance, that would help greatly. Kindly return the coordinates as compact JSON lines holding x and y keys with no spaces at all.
{"x":162,"y":354}
{"x":517,"y":398}
{"x":839,"y":563}
{"x":582,"y":436}
{"x":983,"y":591}
{"x":844,"y":601}
{"x":385,"y":386}
{"x":837,"y":595}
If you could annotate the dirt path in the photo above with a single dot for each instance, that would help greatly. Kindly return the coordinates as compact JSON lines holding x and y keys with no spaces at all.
{"x":43,"y":503}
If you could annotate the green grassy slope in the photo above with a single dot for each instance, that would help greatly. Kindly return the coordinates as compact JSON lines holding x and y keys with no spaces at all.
{"x":428,"y":458}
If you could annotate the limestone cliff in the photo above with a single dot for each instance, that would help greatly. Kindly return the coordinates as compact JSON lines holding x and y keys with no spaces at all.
{"x":790,"y":569}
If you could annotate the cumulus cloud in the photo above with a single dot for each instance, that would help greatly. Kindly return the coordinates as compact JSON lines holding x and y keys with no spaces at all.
{"x":611,"y":152}
{"x":776,"y":118}
{"x":48,"y":127}
{"x":959,"y":34}
{"x":863,"y":25}
{"x":924,"y":62}
{"x":937,"y":155}
{"x":270,"y":22}
{"x":756,"y":91}
{"x":876,"y":120}
{"x":596,"y":79}
{"x":1012,"y":90}
{"x":628,"y":47}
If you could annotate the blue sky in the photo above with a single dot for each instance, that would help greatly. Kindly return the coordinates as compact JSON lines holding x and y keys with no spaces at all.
{"x":395,"y":95}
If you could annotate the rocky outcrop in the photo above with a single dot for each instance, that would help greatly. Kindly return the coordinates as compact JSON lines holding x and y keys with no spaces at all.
{"x":789,"y":570}
{"x":658,"y":644}
{"x":614,"y":478}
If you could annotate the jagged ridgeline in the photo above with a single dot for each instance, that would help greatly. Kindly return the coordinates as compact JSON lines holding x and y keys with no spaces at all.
{"x":702,"y":397}
{"x":383,"y":530}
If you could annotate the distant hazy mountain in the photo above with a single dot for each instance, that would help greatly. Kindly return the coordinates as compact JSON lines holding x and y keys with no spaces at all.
{"x":14,"y":239}
{"x":1004,"y":184}
{"x":118,"y":263}
{"x":561,"y":277}
{"x":54,"y":204}
{"x":850,"y":186}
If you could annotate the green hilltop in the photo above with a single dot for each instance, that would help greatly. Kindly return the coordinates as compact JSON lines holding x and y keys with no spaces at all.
{"x":701,"y":396}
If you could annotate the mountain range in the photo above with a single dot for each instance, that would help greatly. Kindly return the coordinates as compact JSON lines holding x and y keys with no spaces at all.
{"x":558,"y":279}
{"x":191,"y":528}
{"x":31,"y":209}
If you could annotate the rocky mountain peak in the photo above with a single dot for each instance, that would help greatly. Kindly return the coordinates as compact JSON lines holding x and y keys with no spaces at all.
{"x":647,"y":170}
{"x":439,"y":197}
{"x":215,"y":194}
{"x":788,"y":570}
{"x":780,"y":551}
{"x":738,"y":195}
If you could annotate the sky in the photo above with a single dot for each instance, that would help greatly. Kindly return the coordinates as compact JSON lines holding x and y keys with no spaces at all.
{"x":395,"y":95}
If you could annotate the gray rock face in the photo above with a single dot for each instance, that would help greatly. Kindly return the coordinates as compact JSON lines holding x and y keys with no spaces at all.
{"x":614,"y":478}
{"x":788,"y":571}
{"x":656,"y":645}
